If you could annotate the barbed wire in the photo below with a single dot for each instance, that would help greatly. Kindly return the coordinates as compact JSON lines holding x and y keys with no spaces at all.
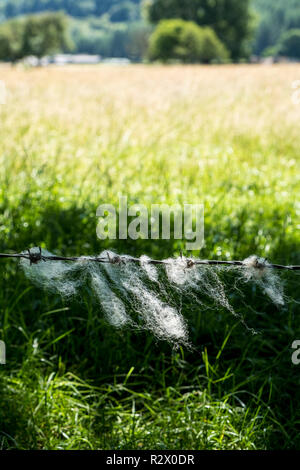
{"x":36,"y":257}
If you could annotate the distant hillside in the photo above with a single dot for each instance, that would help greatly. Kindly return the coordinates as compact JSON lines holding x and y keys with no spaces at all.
{"x":78,"y":9}
{"x":276,"y":17}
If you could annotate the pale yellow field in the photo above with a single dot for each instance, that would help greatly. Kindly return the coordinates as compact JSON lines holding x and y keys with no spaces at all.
{"x":218,"y":134}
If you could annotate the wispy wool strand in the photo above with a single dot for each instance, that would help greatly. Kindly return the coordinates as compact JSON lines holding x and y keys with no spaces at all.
{"x":137,"y":292}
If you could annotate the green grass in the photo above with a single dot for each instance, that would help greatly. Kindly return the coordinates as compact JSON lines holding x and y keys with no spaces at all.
{"x":73,"y":138}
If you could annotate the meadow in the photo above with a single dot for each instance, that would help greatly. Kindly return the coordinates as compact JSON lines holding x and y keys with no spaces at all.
{"x":74,"y":138}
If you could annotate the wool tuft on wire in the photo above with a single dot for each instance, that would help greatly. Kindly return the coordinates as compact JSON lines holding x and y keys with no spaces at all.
{"x":147,"y":294}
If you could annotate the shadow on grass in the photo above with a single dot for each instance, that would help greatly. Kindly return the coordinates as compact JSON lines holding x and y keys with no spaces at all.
{"x":46,"y":337}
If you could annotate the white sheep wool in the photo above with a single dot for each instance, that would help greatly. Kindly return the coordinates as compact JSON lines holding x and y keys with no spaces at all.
{"x":138,"y":295}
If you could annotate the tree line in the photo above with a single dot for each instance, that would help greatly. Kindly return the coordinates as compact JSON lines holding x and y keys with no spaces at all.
{"x":166,"y":30}
{"x":36,"y":35}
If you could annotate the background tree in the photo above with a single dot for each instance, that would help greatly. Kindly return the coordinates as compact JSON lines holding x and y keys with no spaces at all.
{"x":36,"y":35}
{"x":230,"y":19}
{"x":45,"y":34}
{"x":289,"y":44}
{"x":186,"y":42}
{"x":274,"y":19}
{"x":11,"y":40}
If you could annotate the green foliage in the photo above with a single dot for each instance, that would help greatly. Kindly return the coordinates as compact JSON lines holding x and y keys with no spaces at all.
{"x":124,"y":12}
{"x":231,"y":20}
{"x":11,"y":40}
{"x":275,"y":18}
{"x":36,"y":35}
{"x":186,"y":42}
{"x":91,"y":36}
{"x":110,"y":28}
{"x":289,"y":44}
{"x":45,"y":34}
{"x":111,"y":40}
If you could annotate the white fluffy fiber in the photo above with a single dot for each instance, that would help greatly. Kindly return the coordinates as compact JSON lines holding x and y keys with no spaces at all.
{"x":134,"y":294}
{"x":259,"y":272}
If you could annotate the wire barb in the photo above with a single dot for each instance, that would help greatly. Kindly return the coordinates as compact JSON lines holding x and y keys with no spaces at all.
{"x":35,"y":258}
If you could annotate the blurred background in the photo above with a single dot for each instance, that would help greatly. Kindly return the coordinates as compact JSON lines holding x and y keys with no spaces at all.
{"x":144,"y":30}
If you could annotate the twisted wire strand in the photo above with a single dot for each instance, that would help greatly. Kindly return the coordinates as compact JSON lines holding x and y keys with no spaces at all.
{"x":36,"y":257}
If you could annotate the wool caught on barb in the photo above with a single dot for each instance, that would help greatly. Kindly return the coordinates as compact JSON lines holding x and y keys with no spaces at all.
{"x":259,"y":271}
{"x":139,"y":294}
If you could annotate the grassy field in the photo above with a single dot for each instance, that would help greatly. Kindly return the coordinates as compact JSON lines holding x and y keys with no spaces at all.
{"x":73,"y":138}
